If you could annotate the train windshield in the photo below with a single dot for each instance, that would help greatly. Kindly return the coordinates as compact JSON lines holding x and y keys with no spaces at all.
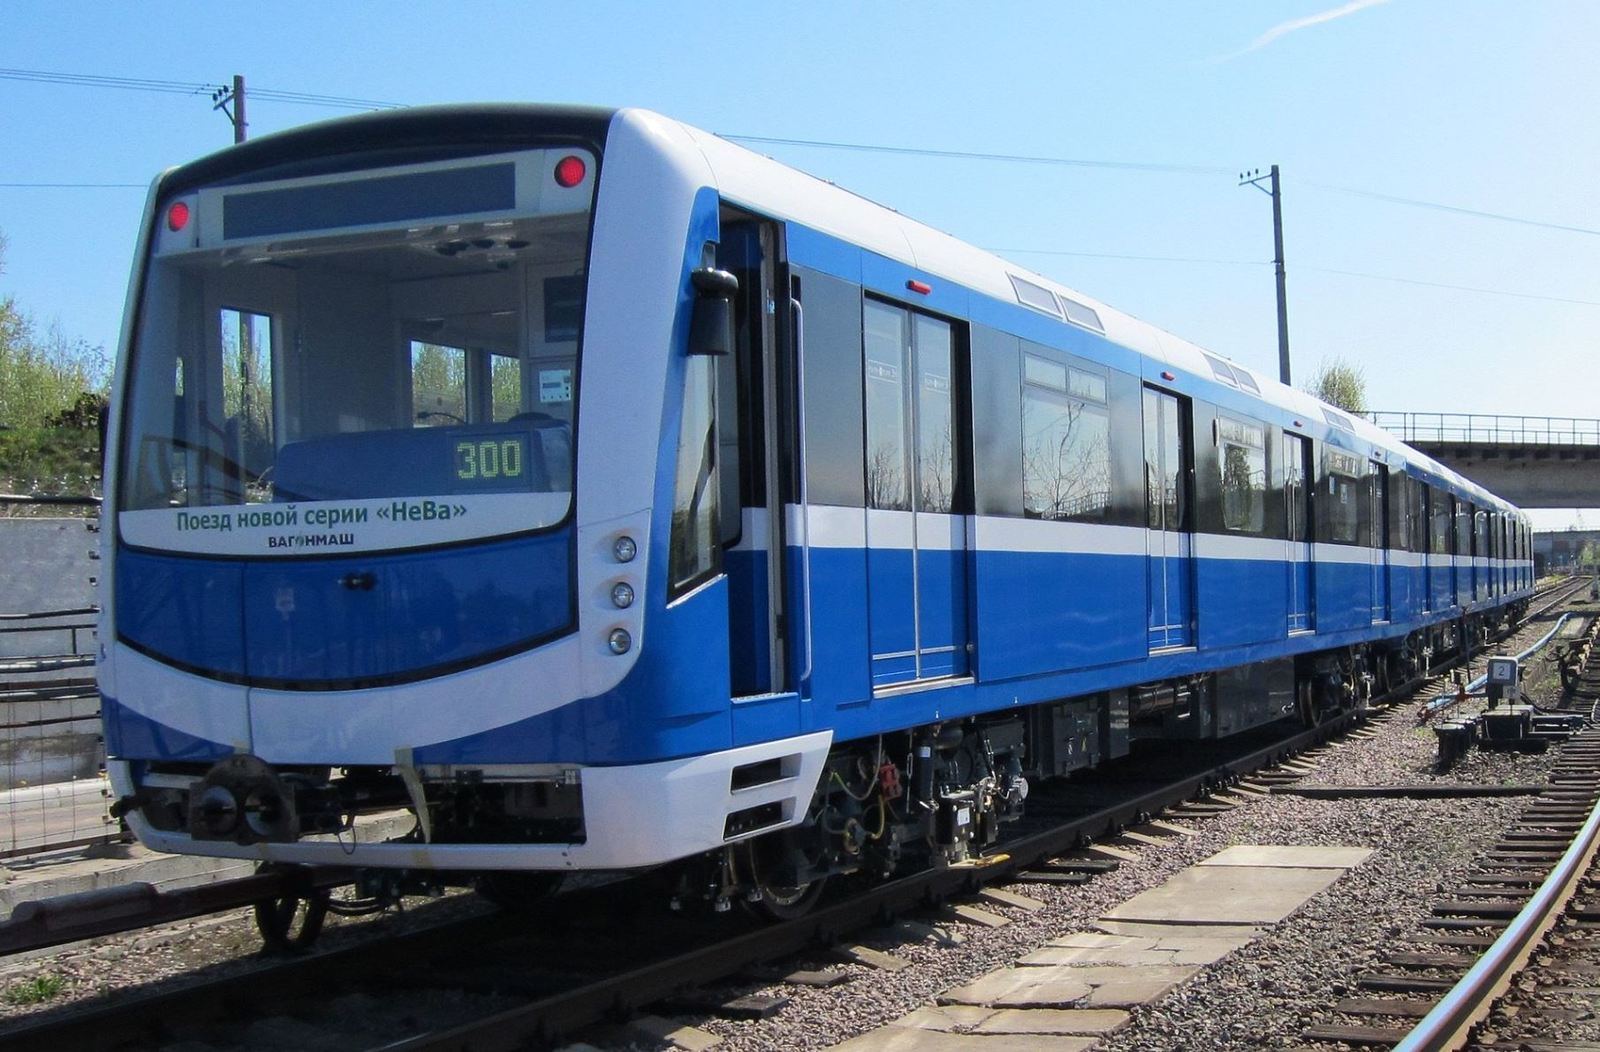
{"x":387,"y":386}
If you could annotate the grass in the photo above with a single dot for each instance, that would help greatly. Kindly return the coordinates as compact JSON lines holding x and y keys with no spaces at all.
{"x":37,"y":990}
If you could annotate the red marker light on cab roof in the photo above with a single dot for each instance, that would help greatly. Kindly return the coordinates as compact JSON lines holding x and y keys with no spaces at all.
{"x":921,"y":288}
{"x":570,"y":171}
{"x":177,"y":216}
{"x":1169,"y":376}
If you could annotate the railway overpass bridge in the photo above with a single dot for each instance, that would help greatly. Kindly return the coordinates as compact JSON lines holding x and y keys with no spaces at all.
{"x":1532,"y":461}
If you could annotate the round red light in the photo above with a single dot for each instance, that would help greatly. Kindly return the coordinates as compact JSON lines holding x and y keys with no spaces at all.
{"x":570,"y":171}
{"x":177,"y":216}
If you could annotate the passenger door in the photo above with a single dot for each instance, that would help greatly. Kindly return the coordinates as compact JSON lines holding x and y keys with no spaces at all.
{"x":1378,"y":538}
{"x":1168,"y":503}
{"x":749,"y":421}
{"x":916,"y":539}
{"x":1297,"y":475}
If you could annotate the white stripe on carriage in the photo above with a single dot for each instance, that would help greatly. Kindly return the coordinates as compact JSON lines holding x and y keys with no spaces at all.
{"x":890,"y":529}
{"x":1342,"y":553}
{"x":752,"y":530}
{"x":942,"y":533}
{"x":838,"y":527}
{"x":1046,"y":535}
{"x":831,"y":526}
{"x":1232,"y":546}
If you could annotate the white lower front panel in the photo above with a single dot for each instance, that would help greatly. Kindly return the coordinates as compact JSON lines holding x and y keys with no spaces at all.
{"x":634,"y":816}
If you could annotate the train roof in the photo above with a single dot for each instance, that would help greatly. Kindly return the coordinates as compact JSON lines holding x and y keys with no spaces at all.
{"x":788,"y":193}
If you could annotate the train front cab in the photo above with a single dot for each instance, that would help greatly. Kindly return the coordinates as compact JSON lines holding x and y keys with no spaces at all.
{"x":348,"y":568}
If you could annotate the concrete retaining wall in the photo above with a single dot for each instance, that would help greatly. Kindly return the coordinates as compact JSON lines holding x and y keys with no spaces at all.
{"x":45,"y":564}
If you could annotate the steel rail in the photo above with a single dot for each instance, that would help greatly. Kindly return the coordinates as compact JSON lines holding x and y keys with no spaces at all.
{"x":41,"y":923}
{"x":1572,"y":587}
{"x":1449,"y":1025}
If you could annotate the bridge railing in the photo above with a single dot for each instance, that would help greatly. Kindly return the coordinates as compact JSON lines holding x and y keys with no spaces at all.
{"x":1483,"y":428}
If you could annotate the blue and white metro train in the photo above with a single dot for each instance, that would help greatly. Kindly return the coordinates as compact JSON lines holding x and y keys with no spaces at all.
{"x":609,"y":495}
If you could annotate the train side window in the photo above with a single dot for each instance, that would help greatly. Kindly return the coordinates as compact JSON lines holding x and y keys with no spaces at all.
{"x":1439,"y":535}
{"x":1344,"y":493}
{"x":457,"y":385}
{"x":1244,"y":474}
{"x":888,"y":459}
{"x":936,"y":437}
{"x":996,"y":422}
{"x":1066,"y":442}
{"x":1296,"y":457}
{"x":695,"y":548}
{"x":505,"y":387}
{"x":1417,"y":535}
{"x":438,"y":384}
{"x":1399,"y":504}
{"x":247,"y":403}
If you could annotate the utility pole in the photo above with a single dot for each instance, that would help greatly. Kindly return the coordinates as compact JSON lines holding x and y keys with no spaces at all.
{"x":1254,"y":178}
{"x":231,"y":102}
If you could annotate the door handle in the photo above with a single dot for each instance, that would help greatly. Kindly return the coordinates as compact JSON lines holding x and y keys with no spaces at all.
{"x":359,"y":581}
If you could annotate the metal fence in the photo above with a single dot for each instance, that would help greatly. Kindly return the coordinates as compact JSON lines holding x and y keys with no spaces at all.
{"x":1483,"y":428}
{"x":53,"y":793}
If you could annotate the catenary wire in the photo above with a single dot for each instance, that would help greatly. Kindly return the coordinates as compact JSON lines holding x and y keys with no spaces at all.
{"x":973,"y":155}
{"x":1364,"y":275}
{"x":178,"y":87}
{"x":73,"y":186}
{"x":1183,"y":169}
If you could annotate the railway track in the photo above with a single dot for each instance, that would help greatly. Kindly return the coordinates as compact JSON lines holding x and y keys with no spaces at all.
{"x":1486,"y":926}
{"x":1486,"y":941}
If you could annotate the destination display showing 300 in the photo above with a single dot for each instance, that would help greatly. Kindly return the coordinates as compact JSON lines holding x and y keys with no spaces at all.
{"x":493,"y":459}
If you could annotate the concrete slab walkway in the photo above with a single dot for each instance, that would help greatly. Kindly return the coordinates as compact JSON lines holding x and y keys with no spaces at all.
{"x":1076,"y":988}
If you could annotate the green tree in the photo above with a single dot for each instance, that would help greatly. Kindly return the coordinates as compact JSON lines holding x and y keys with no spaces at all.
{"x":41,"y":376}
{"x":1340,"y":383}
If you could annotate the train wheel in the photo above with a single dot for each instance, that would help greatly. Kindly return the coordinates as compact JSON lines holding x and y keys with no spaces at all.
{"x":782,"y":903}
{"x":293,"y":922}
{"x":1306,"y":704}
{"x":775,"y":899}
{"x":517,"y":892}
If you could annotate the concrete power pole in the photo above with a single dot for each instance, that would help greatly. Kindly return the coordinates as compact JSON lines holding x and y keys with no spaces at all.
{"x":231,"y":102}
{"x":1254,"y":178}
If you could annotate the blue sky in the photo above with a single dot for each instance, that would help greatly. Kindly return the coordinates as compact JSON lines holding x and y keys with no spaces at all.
{"x":1477,"y":105}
